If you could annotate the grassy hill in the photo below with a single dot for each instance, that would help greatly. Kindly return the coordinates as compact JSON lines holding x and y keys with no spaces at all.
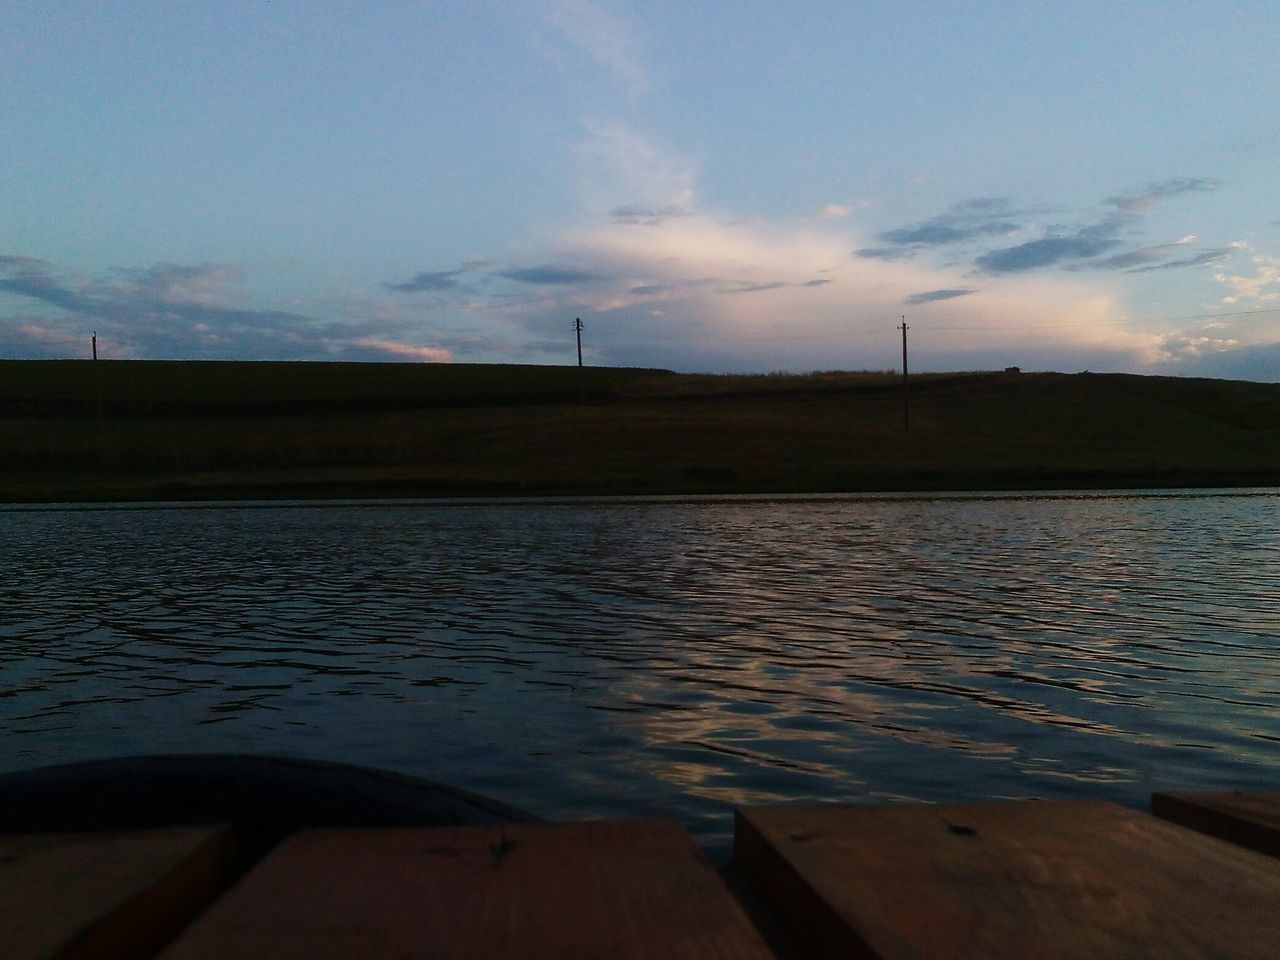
{"x":79,"y":430}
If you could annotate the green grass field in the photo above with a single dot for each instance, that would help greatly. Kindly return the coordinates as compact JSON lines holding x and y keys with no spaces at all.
{"x":76,"y":430}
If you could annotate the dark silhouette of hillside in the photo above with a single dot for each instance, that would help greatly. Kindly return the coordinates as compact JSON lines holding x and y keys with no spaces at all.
{"x":203,"y":429}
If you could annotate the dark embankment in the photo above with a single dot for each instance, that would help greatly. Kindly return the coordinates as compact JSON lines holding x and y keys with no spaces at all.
{"x":79,"y":430}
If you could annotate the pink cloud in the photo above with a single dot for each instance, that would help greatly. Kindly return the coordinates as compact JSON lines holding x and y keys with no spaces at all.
{"x":407,"y":350}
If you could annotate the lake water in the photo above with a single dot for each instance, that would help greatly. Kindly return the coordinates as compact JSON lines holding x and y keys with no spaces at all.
{"x":678,"y":657}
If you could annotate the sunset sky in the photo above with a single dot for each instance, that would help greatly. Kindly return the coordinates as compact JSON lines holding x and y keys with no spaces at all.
{"x":710,"y":186}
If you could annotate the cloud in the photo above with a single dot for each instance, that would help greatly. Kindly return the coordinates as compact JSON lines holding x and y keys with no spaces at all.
{"x":775,"y":285}
{"x":1075,"y":247}
{"x":182,"y":311}
{"x":965,"y":221}
{"x":1257,"y":361}
{"x":405,"y":350}
{"x":884,"y":253}
{"x":159,"y":287}
{"x":1139,"y":201}
{"x":10,"y":262}
{"x":1184,"y":346}
{"x":427,"y":280}
{"x":436,"y":280}
{"x":636,"y":214}
{"x":662,"y":281}
{"x":1134,"y":258}
{"x":832,"y":211}
{"x":176,"y":283}
{"x":550,"y":275}
{"x":706,"y":292}
{"x":1209,"y":256}
{"x":1262,"y":286}
{"x":32,"y":278}
{"x":1155,"y":257}
{"x":759,"y":287}
{"x":938,"y":232}
{"x":35,"y":337}
{"x":624,"y":175}
{"x":930,"y":296}
{"x":1088,"y":241}
{"x":605,"y":38}
{"x":1219,"y":357}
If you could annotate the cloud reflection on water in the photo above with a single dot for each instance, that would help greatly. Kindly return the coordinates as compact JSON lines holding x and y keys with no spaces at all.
{"x":679,"y":657}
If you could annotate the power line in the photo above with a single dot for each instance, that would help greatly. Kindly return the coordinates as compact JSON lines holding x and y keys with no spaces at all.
{"x":830,"y":334}
{"x":1202,"y":316}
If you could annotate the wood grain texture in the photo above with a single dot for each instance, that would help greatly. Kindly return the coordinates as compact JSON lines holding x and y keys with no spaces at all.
{"x":106,"y":896}
{"x":617,"y":890}
{"x":1015,"y":880}
{"x":1250,"y":820}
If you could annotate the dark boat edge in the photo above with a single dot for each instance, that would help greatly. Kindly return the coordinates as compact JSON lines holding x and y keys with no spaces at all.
{"x":262,"y":797}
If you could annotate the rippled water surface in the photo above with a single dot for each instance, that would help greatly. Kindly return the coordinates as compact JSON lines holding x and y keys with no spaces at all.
{"x":678,"y":657}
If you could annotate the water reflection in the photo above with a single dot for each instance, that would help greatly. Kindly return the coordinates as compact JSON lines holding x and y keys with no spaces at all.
{"x":638,"y":657}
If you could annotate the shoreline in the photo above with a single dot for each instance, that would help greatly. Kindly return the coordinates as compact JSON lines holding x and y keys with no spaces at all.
{"x":178,"y":491}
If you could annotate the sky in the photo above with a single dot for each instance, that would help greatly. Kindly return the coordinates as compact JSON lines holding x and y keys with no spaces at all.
{"x":709,"y":186}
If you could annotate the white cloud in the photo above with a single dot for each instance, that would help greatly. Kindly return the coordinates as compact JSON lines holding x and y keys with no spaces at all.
{"x":802,"y":301}
{"x":1183,"y":347}
{"x":620,"y":169}
{"x":410,"y":351}
{"x":832,"y":211}
{"x":180,"y":284}
{"x":606,"y":38}
{"x":1262,"y":286}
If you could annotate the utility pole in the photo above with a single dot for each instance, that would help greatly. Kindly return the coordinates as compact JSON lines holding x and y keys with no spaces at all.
{"x":97,"y":380}
{"x":582,"y":382}
{"x":906,"y":391}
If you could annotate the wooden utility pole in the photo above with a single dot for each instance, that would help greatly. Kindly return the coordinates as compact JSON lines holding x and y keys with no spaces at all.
{"x":582,"y":382}
{"x":906,"y":389}
{"x":97,"y":380}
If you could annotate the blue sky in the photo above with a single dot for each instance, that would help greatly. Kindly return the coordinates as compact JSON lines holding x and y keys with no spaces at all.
{"x":713,"y":186}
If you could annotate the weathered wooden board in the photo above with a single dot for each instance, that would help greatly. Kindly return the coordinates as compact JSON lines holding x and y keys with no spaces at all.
{"x":1249,"y":819}
{"x":617,"y":889}
{"x":1015,"y":880}
{"x":106,"y":896}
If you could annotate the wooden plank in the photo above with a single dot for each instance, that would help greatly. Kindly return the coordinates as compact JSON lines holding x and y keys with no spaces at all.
{"x":106,"y":896}
{"x":1023,"y":880}
{"x":1249,"y":819}
{"x":617,"y":889}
